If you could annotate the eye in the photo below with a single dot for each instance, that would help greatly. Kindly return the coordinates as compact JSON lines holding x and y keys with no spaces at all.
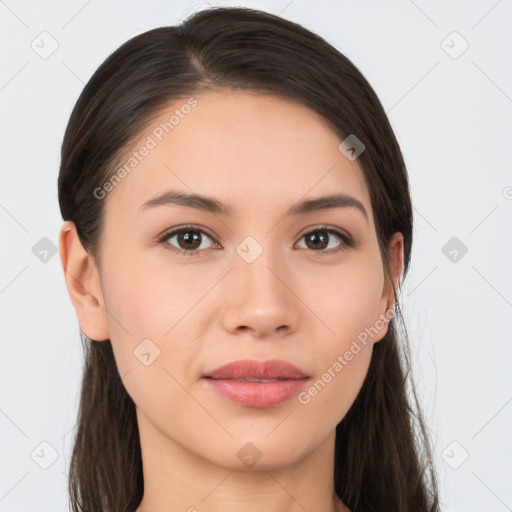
{"x":188,"y":240}
{"x":321,"y":238}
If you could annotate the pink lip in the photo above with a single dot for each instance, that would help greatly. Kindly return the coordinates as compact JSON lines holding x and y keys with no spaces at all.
{"x":257,"y":394}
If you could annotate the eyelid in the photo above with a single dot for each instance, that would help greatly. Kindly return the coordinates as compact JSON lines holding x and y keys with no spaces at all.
{"x":347,"y":239}
{"x":326,"y":227}
{"x":175,"y":230}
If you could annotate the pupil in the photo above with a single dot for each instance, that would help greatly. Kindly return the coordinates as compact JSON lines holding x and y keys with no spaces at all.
{"x":189,"y":239}
{"x":315,"y":237}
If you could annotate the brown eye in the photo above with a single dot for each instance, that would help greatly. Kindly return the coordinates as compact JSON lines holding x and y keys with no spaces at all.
{"x":187,"y":240}
{"x":325,"y":238}
{"x":317,"y":240}
{"x":190,"y":240}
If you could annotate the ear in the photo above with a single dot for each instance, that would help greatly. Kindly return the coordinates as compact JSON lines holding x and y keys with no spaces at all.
{"x":83,"y":283}
{"x":396,"y":263}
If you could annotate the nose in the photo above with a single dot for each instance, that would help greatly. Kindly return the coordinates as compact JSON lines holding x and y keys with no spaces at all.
{"x":260,"y":298}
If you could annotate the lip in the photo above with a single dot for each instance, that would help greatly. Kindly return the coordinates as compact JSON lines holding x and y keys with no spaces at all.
{"x":250,"y":368}
{"x":288,"y":381}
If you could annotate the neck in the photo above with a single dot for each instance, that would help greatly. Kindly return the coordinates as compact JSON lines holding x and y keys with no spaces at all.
{"x":178,"y":479}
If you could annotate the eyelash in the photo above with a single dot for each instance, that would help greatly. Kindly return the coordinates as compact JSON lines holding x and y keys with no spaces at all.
{"x":347,"y":241}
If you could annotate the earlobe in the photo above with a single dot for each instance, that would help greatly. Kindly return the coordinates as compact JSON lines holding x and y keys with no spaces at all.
{"x":83,"y":284}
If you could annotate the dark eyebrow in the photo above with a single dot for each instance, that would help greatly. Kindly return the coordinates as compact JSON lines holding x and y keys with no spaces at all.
{"x":208,"y":204}
{"x":325,"y":203}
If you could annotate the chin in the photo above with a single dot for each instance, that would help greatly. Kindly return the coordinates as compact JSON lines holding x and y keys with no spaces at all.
{"x":256,"y":455}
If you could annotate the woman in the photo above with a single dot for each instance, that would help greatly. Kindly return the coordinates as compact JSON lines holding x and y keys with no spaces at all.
{"x":237,"y":223}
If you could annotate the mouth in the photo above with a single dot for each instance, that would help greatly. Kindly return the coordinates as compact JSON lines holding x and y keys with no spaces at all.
{"x":257,"y":384}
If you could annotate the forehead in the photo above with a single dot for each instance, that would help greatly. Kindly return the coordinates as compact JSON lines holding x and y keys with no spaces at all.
{"x":243,"y":148}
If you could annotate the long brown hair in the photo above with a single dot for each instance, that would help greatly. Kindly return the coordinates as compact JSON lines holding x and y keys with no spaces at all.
{"x":383,"y":459}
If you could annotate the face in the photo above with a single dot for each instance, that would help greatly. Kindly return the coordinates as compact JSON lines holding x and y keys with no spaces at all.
{"x":256,"y":281}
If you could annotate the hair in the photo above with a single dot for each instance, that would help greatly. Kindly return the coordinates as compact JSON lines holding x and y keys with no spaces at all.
{"x":383,"y":459}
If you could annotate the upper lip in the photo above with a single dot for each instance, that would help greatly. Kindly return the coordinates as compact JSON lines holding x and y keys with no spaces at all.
{"x":250,"y":368}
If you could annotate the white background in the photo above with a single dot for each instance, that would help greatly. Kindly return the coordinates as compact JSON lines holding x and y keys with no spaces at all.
{"x":453,"y":119}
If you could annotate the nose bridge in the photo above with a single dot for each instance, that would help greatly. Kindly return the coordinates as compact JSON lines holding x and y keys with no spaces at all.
{"x":259,"y":297}
{"x":255,"y":258}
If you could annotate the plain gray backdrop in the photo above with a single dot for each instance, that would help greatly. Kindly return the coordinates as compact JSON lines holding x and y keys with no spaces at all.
{"x":443,"y":72}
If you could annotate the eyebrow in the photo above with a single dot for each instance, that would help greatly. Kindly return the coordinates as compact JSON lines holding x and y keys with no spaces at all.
{"x":211,"y":205}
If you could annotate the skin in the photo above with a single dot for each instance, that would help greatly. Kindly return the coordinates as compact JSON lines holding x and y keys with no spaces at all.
{"x":259,"y":155}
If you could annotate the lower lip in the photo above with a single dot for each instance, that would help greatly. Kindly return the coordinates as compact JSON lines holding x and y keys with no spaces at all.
{"x":258,"y":394}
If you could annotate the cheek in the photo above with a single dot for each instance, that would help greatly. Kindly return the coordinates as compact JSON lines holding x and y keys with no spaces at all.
{"x":150,"y":341}
{"x":146,"y":301}
{"x":347,"y":300}
{"x":342,"y":364}
{"x":332,"y":393}
{"x":143,"y":309}
{"x":349,"y":307}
